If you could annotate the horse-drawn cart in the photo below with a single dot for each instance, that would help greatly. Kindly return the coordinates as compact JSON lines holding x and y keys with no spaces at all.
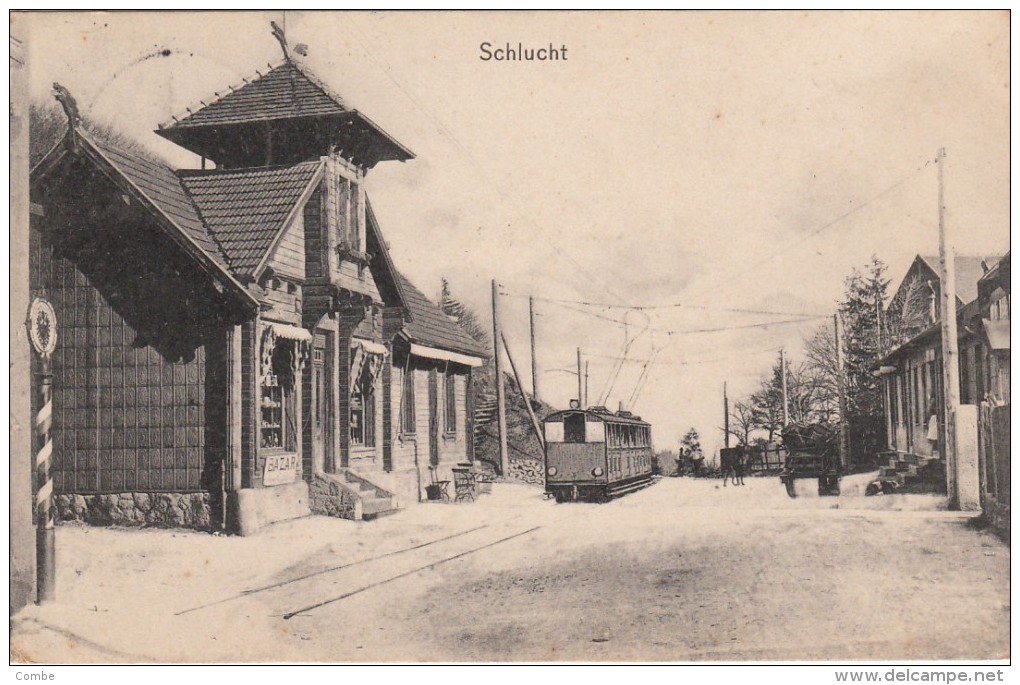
{"x":812,"y":452}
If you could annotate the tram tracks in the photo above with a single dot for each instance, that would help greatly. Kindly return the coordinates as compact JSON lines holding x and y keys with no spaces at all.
{"x":405,"y":574}
{"x":373,"y":571}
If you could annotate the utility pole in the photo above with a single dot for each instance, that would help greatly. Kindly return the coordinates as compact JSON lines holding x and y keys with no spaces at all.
{"x":726,"y":415}
{"x":586,"y":379}
{"x":580,"y":381}
{"x":786,"y":402}
{"x":527,"y":403}
{"x":534,"y":361}
{"x":950,"y":354}
{"x":844,"y":456}
{"x":497,"y":335}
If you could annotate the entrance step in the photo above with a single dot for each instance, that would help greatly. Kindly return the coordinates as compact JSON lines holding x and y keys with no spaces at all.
{"x":350,"y":496}
{"x":376,"y":501}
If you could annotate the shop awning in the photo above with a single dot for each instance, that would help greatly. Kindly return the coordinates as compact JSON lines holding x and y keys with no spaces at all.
{"x":997,"y":333}
{"x":444,"y":355}
{"x":369,"y":346}
{"x":288,"y":332}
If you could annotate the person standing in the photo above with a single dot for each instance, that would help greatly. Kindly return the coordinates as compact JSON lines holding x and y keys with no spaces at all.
{"x":933,"y":430}
{"x":738,"y":467}
{"x":680,"y":462}
{"x":726,"y":466}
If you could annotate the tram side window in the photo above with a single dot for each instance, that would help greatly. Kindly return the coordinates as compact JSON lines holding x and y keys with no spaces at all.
{"x":573,"y":428}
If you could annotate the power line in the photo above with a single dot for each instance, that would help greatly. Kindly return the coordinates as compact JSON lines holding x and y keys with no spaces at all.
{"x":765,"y":324}
{"x":692,"y":362}
{"x":675,"y":305}
{"x":742,"y":268}
{"x":747,"y":268}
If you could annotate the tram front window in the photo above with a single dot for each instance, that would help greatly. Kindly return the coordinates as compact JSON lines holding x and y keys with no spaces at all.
{"x":573,"y":428}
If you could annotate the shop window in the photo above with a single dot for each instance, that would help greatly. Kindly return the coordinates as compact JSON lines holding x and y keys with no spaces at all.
{"x":366,"y":361}
{"x":363,"y":411}
{"x":278,"y":428}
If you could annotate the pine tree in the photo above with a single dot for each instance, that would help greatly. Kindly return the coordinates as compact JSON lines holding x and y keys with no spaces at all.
{"x":690,"y":444}
{"x":864,"y":294}
{"x":464,"y":316}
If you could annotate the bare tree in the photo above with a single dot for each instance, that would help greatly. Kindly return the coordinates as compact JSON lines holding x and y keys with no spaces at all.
{"x":821,"y":368}
{"x":742,"y":422}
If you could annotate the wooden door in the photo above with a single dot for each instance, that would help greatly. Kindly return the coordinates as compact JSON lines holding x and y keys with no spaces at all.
{"x":322,"y":443}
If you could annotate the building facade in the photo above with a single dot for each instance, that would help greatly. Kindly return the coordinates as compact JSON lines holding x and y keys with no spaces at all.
{"x":912,"y":369}
{"x":235,"y":344}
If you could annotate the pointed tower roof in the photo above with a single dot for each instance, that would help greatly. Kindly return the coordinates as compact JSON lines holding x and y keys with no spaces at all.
{"x":284,"y":116}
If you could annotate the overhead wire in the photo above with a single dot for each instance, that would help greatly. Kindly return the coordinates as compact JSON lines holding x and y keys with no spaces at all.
{"x":762,"y":324}
{"x":628,"y":342}
{"x":744,"y":268}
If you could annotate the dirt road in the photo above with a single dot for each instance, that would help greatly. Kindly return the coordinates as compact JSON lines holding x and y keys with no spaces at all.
{"x":682,"y":571}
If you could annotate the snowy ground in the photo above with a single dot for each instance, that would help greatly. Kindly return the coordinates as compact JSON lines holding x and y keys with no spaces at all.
{"x":683,"y":571}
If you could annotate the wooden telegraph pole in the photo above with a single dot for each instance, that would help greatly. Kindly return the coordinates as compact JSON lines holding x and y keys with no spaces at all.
{"x":844,"y":449}
{"x":580,"y":381}
{"x":726,"y":416}
{"x":585,"y":379}
{"x":534,"y":360}
{"x":527,"y":405}
{"x":497,"y":335}
{"x":950,"y":354}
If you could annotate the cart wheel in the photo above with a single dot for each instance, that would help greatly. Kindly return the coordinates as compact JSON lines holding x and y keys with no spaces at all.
{"x":790,"y":489}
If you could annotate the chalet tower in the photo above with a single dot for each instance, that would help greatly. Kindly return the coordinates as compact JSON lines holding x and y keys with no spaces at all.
{"x":240,"y":346}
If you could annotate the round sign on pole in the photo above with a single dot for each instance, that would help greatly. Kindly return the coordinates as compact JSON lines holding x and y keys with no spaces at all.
{"x":42,"y":327}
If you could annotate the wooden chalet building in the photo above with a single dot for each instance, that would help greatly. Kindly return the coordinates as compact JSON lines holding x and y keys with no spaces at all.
{"x":912,"y":369}
{"x":236,"y":346}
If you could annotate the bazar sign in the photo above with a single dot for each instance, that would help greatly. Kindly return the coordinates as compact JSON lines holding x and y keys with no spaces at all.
{"x":280,"y":469}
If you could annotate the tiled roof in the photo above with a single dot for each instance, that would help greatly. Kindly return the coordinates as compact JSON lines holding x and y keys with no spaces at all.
{"x":284,"y":92}
{"x":968,"y":273}
{"x":245,"y":208}
{"x":430,"y":326}
{"x":163,"y":188}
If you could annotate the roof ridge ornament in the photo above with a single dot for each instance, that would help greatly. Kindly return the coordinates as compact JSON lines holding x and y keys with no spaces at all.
{"x":67,"y":101}
{"x":279,"y":35}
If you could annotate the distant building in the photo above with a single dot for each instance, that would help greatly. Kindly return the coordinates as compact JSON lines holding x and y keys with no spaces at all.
{"x":912,"y":369}
{"x":236,"y":345}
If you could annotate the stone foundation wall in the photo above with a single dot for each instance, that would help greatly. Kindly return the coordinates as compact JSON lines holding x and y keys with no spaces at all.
{"x":330,"y":498}
{"x":531,"y":471}
{"x":160,"y":509}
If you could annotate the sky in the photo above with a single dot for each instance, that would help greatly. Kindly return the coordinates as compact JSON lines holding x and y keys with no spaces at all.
{"x":694,"y":163}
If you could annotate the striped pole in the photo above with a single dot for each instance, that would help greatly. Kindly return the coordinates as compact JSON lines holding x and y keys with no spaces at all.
{"x":45,"y":538}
